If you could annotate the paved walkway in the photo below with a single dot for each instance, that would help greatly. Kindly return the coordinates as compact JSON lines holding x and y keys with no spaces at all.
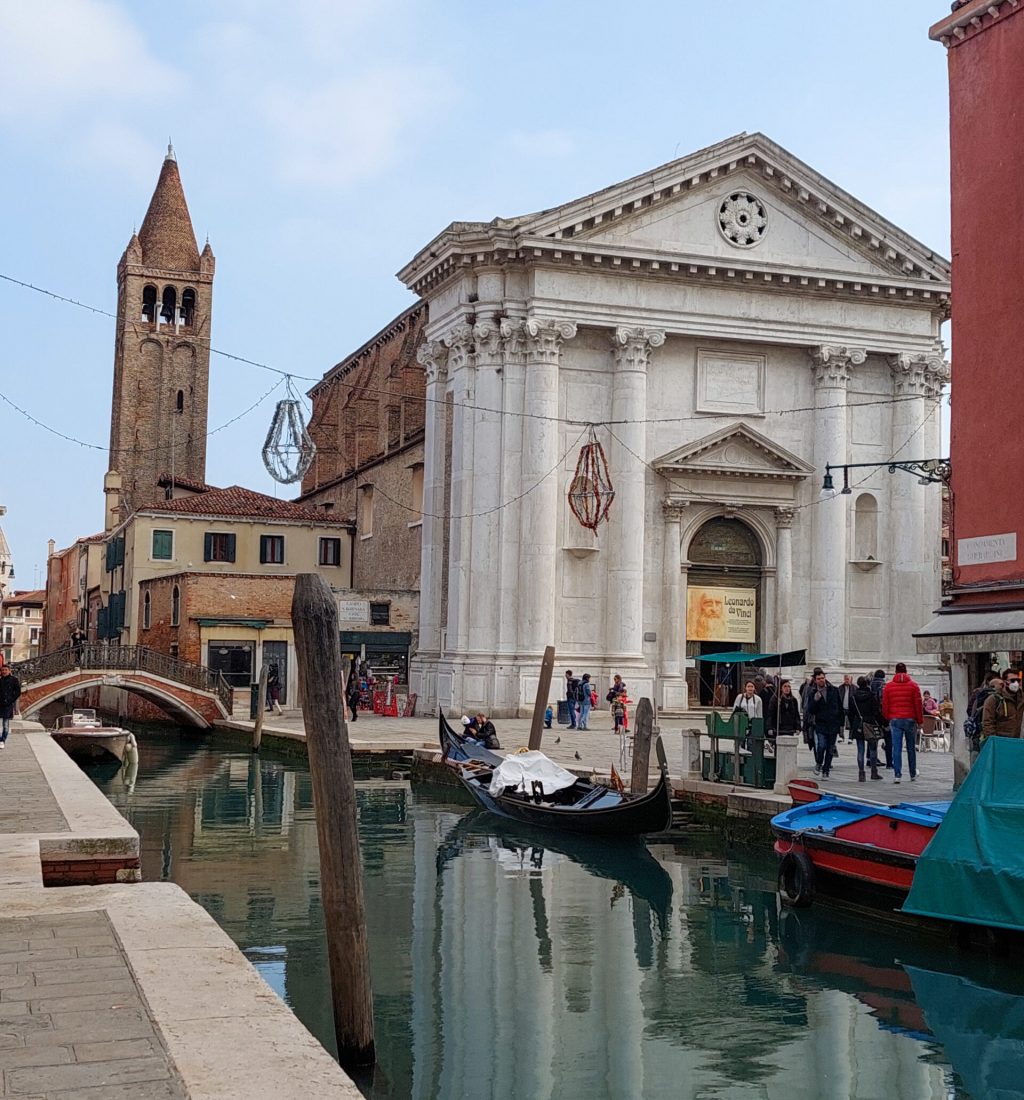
{"x":73,"y":1021}
{"x":27,"y":804}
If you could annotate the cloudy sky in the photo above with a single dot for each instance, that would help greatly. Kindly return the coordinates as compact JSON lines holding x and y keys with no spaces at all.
{"x":322,"y":143}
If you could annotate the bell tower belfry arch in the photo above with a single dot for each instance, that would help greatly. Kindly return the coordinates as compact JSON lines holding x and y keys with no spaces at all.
{"x":158,"y":418}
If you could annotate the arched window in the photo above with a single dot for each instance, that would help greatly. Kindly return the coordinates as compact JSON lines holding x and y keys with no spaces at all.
{"x":865,"y":528}
{"x":149,"y":304}
{"x":725,"y":542}
{"x":188,"y":306}
{"x":147,"y":611}
{"x":175,"y":606}
{"x":168,"y":303}
{"x":180,"y":402}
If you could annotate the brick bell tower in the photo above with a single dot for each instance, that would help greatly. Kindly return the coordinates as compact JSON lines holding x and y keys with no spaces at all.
{"x":161,"y":351}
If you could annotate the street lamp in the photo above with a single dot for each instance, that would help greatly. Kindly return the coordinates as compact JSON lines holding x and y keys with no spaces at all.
{"x":929,"y":471}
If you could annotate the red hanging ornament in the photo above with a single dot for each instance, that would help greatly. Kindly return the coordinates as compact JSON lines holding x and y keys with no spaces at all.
{"x":591,"y":493}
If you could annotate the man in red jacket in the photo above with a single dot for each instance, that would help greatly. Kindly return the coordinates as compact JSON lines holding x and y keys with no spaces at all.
{"x":903,"y":710}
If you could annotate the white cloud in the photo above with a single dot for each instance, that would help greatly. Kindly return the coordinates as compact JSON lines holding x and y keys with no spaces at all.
{"x":62,"y":55}
{"x":351,"y":128}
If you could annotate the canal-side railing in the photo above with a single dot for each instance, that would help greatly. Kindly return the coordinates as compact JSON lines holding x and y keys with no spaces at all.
{"x":124,"y":658}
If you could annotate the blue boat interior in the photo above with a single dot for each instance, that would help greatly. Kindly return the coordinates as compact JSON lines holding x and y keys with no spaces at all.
{"x":831,"y":813}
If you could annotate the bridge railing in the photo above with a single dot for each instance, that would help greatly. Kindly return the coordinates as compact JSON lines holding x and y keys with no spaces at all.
{"x":124,"y":658}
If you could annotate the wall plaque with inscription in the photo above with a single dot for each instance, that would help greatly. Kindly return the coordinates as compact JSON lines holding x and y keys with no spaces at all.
{"x":730,"y":383}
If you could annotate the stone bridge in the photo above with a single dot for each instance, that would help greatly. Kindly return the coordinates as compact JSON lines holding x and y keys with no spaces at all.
{"x":191,"y":694}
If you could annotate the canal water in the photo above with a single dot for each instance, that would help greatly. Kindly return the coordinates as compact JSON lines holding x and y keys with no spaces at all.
{"x":512,"y":964}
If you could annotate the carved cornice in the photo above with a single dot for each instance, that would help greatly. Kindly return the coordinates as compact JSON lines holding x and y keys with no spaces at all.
{"x":831,"y":364}
{"x":784,"y":518}
{"x":433,"y":357}
{"x":632,"y":347}
{"x":544,"y":338}
{"x":918,"y":374}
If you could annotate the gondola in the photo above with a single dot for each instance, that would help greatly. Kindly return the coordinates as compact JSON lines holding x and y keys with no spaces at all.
{"x":582,"y":807}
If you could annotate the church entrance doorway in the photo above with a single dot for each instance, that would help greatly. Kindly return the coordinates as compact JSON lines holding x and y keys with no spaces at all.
{"x":723,"y":612}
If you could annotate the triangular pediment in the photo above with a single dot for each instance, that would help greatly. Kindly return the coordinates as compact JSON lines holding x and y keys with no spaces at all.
{"x":735,"y":451}
{"x":677,"y":209}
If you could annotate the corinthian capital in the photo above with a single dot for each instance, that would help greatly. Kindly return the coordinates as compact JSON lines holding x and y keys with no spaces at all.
{"x":459,"y":342}
{"x":544,"y":338}
{"x":832,"y":363}
{"x":513,"y":336}
{"x":632,"y":346}
{"x":918,"y":374}
{"x":433,"y":357}
{"x":487,"y":337}
{"x":784,"y":517}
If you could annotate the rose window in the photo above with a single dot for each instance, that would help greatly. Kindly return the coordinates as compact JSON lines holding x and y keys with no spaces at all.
{"x":743,"y":219}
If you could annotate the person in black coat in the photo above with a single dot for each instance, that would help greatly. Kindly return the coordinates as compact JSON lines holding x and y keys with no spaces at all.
{"x":823,"y":715}
{"x":486,"y":734}
{"x":782,"y":714}
{"x":865,"y":717}
{"x":10,"y":689}
{"x":352,"y":694}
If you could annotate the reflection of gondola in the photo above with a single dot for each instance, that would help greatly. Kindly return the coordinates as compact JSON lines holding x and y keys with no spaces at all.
{"x":582,"y":807}
{"x":626,"y":861}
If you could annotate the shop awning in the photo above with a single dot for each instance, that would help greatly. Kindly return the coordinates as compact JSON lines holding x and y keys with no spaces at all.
{"x":972,"y":632}
{"x":775,"y":660}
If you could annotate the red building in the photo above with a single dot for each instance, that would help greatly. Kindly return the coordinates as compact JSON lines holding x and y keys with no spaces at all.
{"x":982,"y":621}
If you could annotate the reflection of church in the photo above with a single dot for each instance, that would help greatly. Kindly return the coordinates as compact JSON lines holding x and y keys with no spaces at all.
{"x":735,"y":322}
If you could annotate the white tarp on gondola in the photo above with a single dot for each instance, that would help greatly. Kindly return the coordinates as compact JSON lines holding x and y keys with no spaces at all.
{"x":526,"y":768}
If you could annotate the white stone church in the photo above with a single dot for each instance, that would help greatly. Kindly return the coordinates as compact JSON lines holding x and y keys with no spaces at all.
{"x":733,"y":322}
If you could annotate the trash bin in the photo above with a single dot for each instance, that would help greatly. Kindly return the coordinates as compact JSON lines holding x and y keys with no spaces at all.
{"x":563,"y":712}
{"x":254,"y":699}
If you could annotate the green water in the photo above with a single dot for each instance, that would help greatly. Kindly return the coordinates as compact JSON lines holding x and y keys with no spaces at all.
{"x":515,"y":965}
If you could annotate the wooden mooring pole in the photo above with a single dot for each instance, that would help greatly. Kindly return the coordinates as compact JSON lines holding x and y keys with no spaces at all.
{"x":318,"y":652}
{"x":547,"y":666}
{"x":261,"y":707}
{"x":643,"y":724}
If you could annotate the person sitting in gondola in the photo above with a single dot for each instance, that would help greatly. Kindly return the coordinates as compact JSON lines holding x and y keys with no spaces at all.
{"x":486,"y":734}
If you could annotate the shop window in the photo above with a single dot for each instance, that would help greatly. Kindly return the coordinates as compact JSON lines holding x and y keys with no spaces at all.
{"x":380,"y":614}
{"x":147,"y":611}
{"x":163,"y":545}
{"x":272,"y":549}
{"x":330,"y":551}
{"x":218,"y":546}
{"x":366,"y":511}
{"x":175,"y":606}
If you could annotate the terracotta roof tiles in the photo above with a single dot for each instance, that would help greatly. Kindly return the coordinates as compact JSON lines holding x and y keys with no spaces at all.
{"x":167,"y":237}
{"x":240,"y":503}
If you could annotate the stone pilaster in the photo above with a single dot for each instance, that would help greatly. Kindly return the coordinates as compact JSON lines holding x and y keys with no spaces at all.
{"x":632,"y":348}
{"x":433,"y":357}
{"x":513,"y":350}
{"x":540,"y":483}
{"x":831,"y":366}
{"x":459,"y":342}
{"x":784,"y":578}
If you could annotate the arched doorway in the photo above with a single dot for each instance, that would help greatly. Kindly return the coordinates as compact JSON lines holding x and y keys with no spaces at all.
{"x":723,"y":604}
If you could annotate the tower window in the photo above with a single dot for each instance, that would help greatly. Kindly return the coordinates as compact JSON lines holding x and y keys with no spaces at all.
{"x":147,"y":611}
{"x":149,"y":304}
{"x":180,"y":402}
{"x":188,"y":306}
{"x":175,"y":606}
{"x":168,"y":303}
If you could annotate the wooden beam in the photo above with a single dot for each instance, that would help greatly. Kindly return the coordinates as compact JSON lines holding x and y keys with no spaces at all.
{"x":547,"y":666}
{"x":643,"y":724}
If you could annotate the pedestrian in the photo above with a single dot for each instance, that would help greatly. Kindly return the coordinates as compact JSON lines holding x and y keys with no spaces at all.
{"x":586,"y":693}
{"x":77,"y":644}
{"x":823,"y":714}
{"x":846,"y":694}
{"x":549,"y":717}
{"x":352,"y":694}
{"x":619,"y":712}
{"x":902,"y":709}
{"x":1001,"y":714}
{"x":877,"y":686}
{"x":10,"y":689}
{"x":618,"y":691}
{"x":783,"y":714}
{"x":866,"y":727}
{"x":273,"y":689}
{"x":749,"y":702}
{"x":572,"y":696}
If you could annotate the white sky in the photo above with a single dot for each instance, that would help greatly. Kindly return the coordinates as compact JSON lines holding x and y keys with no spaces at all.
{"x":323,"y":142}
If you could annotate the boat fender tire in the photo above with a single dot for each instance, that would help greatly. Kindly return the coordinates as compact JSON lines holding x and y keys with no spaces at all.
{"x":796,"y":880}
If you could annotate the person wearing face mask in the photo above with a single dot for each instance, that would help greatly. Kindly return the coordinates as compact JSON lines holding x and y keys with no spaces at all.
{"x":1002,"y":712}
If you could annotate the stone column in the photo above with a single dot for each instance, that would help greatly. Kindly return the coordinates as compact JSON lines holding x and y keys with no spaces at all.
{"x":486,"y":496}
{"x":831,"y":367}
{"x":784,"y":578}
{"x":673,"y":617}
{"x":460,"y":537}
{"x":913,"y":550}
{"x":539,"y":515}
{"x":513,"y":337}
{"x":625,"y":539}
{"x":433,"y":357}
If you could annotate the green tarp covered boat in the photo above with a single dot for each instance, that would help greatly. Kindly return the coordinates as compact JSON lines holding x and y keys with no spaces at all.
{"x":973,"y":869}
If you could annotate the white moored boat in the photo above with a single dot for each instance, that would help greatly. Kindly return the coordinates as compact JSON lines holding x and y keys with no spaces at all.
{"x":83,"y":736}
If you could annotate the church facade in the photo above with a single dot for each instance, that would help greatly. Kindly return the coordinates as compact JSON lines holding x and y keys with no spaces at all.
{"x":730,"y":324}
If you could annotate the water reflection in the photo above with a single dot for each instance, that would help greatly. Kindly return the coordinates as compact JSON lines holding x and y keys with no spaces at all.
{"x":509,"y":963}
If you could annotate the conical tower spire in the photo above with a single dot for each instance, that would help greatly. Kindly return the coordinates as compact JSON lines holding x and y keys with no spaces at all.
{"x":167,"y":238}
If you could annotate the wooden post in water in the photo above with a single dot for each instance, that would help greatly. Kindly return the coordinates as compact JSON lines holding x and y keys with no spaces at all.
{"x":547,"y":666}
{"x":317,"y":649}
{"x":643,"y":723}
{"x":261,"y":706}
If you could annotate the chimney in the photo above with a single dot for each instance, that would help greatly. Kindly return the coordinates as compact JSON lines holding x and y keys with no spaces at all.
{"x":50,"y":547}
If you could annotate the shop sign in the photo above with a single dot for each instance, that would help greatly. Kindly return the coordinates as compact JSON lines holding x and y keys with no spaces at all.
{"x":353,"y":611}
{"x":721,"y":614}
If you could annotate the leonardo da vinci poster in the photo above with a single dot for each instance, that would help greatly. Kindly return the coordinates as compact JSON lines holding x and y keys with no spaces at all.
{"x":721,"y":614}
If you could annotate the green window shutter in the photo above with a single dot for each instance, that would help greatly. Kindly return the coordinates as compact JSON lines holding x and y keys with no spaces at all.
{"x":231,"y":548}
{"x":163,"y":543}
{"x":208,"y":547}
{"x":103,"y":621}
{"x":111,"y":554}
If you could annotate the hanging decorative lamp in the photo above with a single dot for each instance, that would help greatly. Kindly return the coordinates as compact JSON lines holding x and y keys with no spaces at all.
{"x":591,"y":492}
{"x":289,"y":450}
